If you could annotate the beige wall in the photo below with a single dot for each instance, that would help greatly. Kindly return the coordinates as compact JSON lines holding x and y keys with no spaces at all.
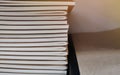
{"x":95,"y":15}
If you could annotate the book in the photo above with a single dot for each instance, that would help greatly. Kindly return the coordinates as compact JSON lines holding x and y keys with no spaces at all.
{"x":32,"y":31}
{"x":33,"y":58}
{"x":31,"y":22}
{"x":33,"y":53}
{"x":34,"y":40}
{"x":33,"y":13}
{"x":33,"y":8}
{"x":33,"y":44}
{"x":33,"y":36}
{"x":40,"y":2}
{"x":33,"y":18}
{"x":25,"y":62}
{"x":33,"y":71}
{"x":33,"y":67}
{"x":33,"y":49}
{"x":14,"y":3}
{"x":35,"y":27}
{"x":27,"y":74}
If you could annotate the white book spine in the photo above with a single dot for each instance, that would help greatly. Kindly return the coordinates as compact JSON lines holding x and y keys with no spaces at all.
{"x":45,"y":49}
{"x":44,"y":58}
{"x":34,"y":67}
{"x":33,"y":36}
{"x":33,"y":8}
{"x":33,"y":13}
{"x":32,"y":22}
{"x":33,"y":32}
{"x":34,"y":44}
{"x":35,"y":27}
{"x":34,"y":62}
{"x":35,"y":53}
{"x":27,"y":74}
{"x":33,"y":71}
{"x":7,"y":2}
{"x":34,"y":40}
{"x":33,"y":18}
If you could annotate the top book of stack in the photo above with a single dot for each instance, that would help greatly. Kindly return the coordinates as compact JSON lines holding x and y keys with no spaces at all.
{"x":69,"y":3}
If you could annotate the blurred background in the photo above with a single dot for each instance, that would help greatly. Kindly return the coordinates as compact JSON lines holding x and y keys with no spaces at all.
{"x":95,"y":16}
{"x":95,"y":27}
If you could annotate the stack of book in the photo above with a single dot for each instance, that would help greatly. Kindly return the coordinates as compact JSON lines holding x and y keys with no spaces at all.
{"x":33,"y":37}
